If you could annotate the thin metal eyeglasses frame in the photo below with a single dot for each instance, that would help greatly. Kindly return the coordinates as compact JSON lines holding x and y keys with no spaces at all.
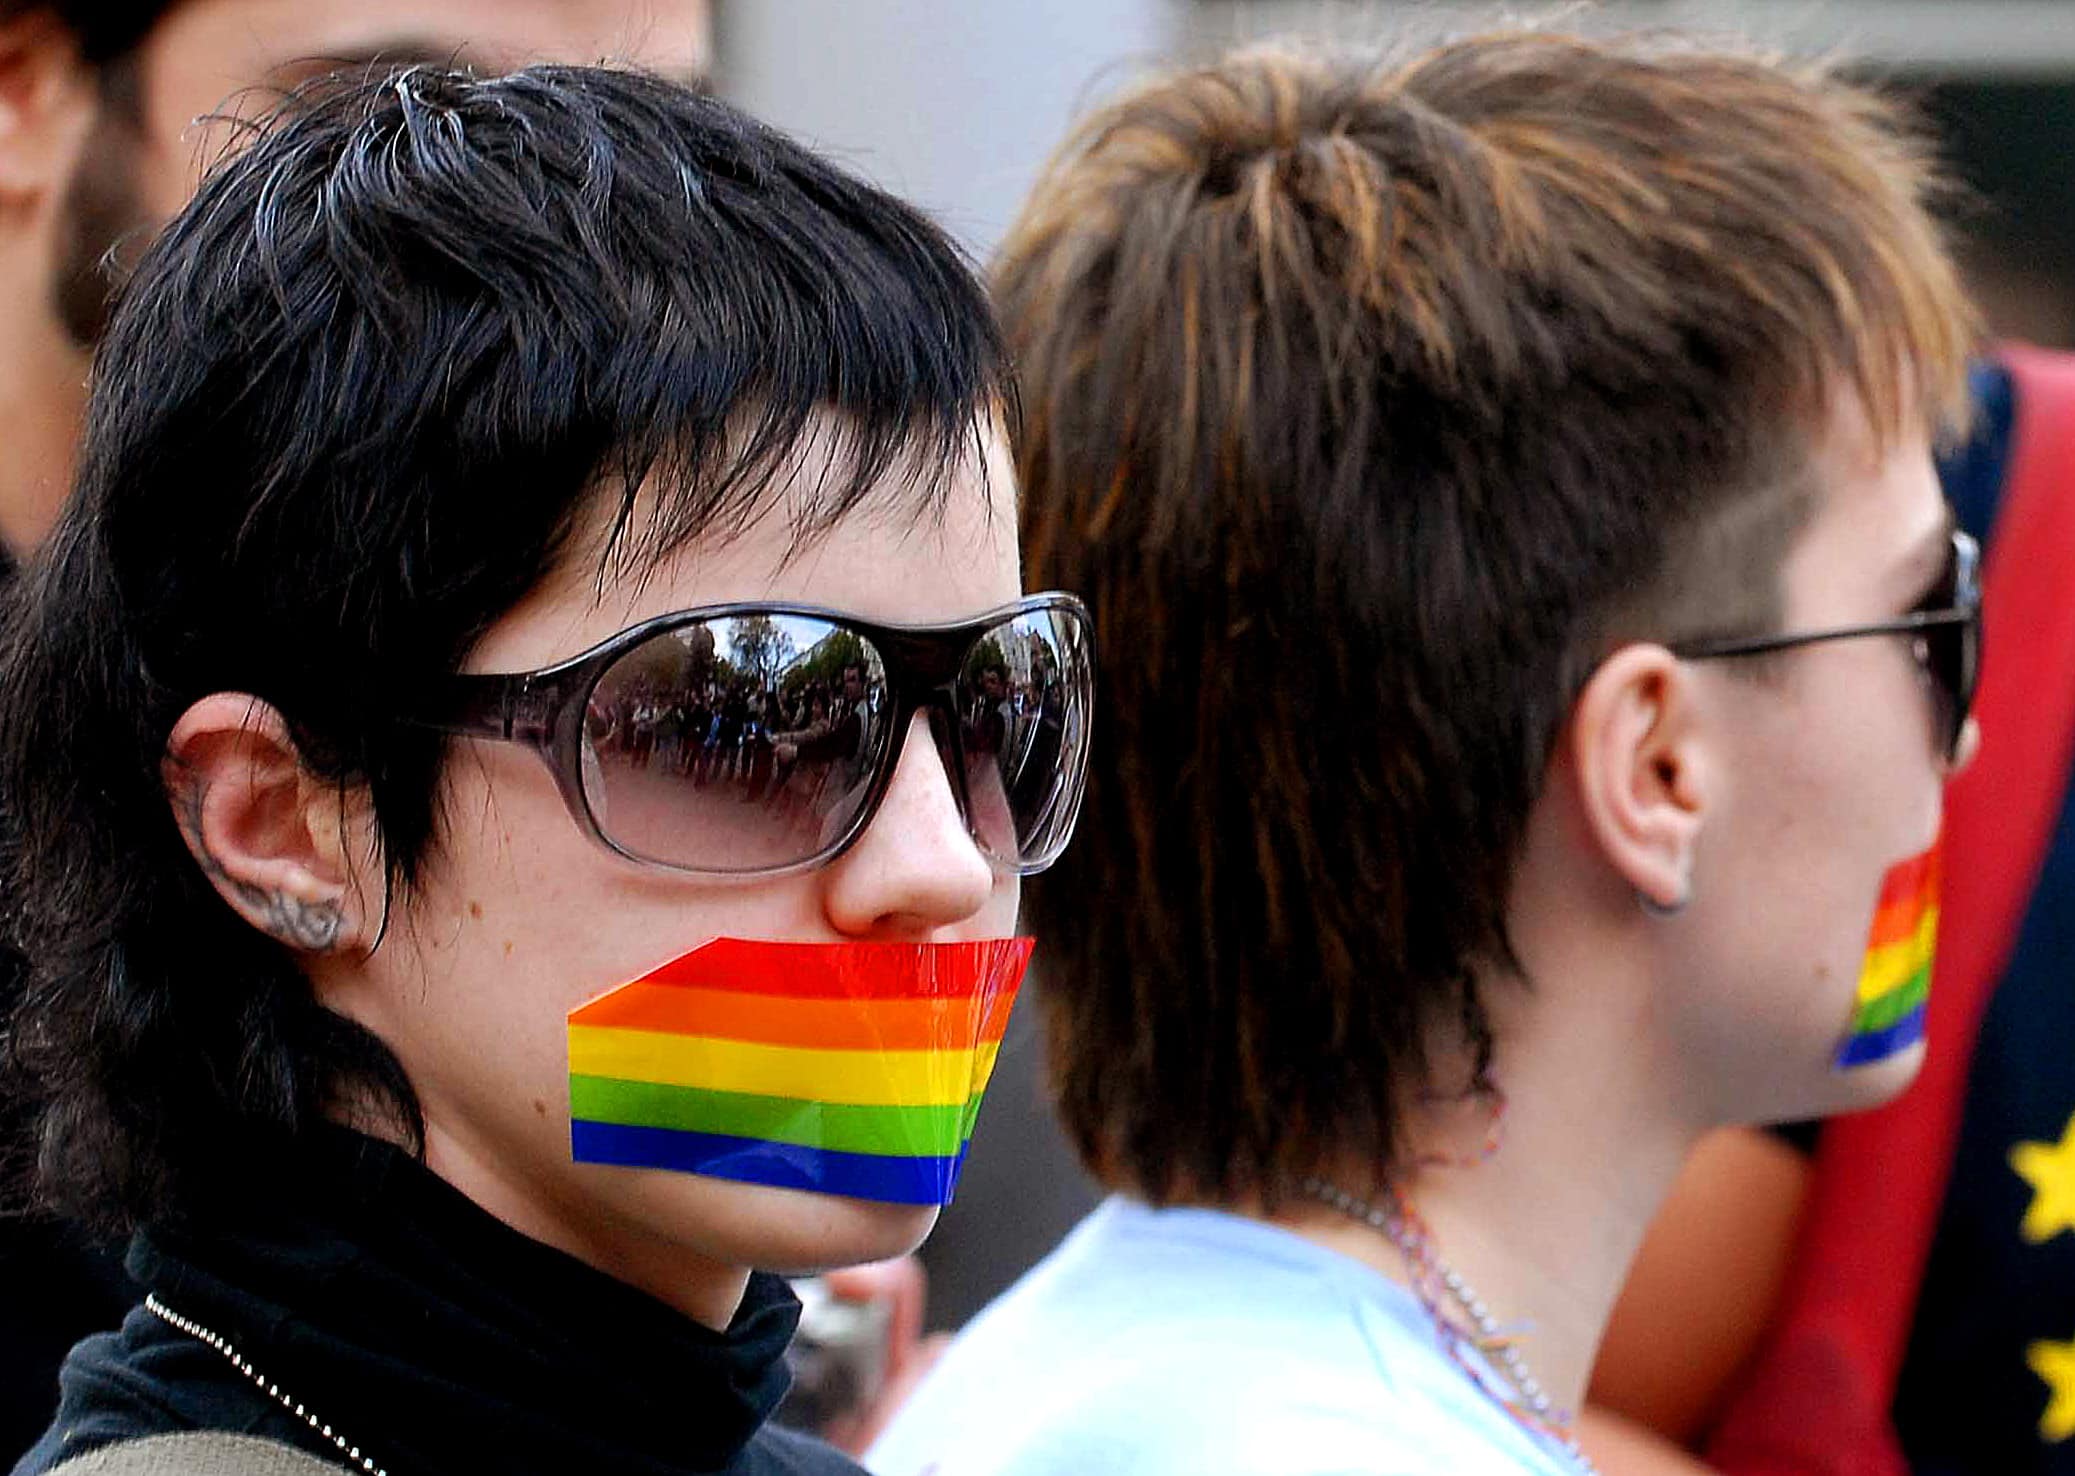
{"x":544,"y":710}
{"x":1964,"y":611}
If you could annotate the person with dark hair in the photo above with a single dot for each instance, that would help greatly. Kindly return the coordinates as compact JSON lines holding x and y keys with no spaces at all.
{"x":1534,"y":649}
{"x":460,"y":1077}
{"x":104,"y":109}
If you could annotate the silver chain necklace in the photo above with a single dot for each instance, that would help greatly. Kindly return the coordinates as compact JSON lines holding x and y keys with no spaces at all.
{"x":244,"y":1366}
{"x":1490,"y":1339}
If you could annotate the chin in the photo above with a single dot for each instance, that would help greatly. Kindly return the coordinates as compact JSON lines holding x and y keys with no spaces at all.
{"x":800,"y":1232}
{"x":1860,"y":1087}
{"x":792,"y":1231}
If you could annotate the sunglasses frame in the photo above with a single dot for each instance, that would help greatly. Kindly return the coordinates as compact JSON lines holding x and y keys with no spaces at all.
{"x":544,"y":711}
{"x":1965,"y":611}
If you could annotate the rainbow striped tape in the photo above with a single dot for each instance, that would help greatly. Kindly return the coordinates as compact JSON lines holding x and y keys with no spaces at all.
{"x":844,"y":1068}
{"x":1895,"y":983}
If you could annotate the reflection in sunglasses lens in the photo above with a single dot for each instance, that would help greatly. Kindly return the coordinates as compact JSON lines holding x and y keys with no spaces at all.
{"x":737,"y":743}
{"x":1023,"y":695}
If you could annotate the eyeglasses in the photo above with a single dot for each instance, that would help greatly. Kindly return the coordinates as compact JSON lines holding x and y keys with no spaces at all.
{"x":1945,"y":635}
{"x":759,"y":739}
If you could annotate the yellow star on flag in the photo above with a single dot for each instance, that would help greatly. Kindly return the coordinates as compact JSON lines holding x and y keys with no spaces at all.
{"x":2050,"y":1169}
{"x":2055,"y":1363}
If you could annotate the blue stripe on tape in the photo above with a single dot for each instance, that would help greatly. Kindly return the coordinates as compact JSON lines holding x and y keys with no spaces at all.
{"x":1878,"y":1045}
{"x":781,"y":1165}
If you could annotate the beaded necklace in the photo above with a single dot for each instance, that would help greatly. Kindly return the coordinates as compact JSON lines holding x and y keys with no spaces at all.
{"x":1432,"y":1281}
{"x":244,"y":1366}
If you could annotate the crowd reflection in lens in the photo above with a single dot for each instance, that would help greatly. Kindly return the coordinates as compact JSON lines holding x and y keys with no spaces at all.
{"x":751,"y":741}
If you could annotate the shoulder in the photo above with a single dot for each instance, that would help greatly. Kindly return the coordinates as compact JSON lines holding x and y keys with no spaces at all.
{"x":196,"y":1454}
{"x":1273,"y":1428}
{"x":777,"y":1451}
{"x":144,"y":1380}
{"x":1153,"y":1387}
{"x":1249,"y":1419}
{"x":1192,"y":1343}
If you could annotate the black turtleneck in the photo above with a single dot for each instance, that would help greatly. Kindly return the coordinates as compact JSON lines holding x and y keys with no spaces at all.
{"x":431,"y":1335}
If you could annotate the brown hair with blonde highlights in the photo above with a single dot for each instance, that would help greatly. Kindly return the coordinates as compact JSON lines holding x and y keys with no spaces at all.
{"x":1371,"y":402}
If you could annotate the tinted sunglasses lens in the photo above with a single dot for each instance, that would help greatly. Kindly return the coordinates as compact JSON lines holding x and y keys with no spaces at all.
{"x":1955,"y":650}
{"x":741,"y":743}
{"x":1939,"y":652}
{"x":1025,"y":699}
{"x":1956,"y":665}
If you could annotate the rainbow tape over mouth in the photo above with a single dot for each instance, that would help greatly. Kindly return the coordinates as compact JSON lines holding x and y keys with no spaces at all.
{"x":843,"y":1068}
{"x":1895,"y":983}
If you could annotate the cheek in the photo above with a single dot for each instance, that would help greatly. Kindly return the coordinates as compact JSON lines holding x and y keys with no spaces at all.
{"x":522,"y":918}
{"x":1878,"y":761}
{"x":1835,"y":761}
{"x":1801,"y":874}
{"x":1828,"y":782}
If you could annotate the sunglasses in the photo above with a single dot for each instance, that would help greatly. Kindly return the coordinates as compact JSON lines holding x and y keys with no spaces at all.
{"x":1945,"y":635}
{"x":759,"y":739}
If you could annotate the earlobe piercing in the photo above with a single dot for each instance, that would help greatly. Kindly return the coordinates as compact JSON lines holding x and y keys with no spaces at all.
{"x":1654,"y":908}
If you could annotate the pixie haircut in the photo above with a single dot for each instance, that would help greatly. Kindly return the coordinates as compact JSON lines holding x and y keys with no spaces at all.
{"x":1371,"y":403}
{"x":403,"y":356}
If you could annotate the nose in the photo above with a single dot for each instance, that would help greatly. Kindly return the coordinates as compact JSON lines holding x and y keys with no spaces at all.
{"x":915,"y":869}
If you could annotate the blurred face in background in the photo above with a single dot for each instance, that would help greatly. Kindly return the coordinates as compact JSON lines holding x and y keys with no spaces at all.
{"x":208,"y":54}
{"x":122,"y":148}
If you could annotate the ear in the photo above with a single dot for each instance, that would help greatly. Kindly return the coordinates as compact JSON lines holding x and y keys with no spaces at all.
{"x":277,"y":841}
{"x":1643,"y":774}
{"x":47,"y":98}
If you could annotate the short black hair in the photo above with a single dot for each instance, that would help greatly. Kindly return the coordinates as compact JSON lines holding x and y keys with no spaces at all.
{"x":106,"y":29}
{"x":361,"y":396}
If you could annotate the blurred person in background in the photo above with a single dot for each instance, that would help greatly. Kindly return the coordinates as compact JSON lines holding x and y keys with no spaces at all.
{"x":103,"y":134}
{"x":451,"y":411}
{"x":1521,"y":456}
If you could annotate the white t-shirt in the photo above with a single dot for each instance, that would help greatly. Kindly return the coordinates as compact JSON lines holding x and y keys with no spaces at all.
{"x":1188,"y":1342}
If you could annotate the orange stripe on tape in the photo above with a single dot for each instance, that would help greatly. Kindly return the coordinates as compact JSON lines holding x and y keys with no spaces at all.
{"x":957,"y":1023}
{"x":1911,"y":889}
{"x":847,"y":970}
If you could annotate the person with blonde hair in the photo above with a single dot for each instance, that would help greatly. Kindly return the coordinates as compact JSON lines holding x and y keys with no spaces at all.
{"x":1535,"y":647}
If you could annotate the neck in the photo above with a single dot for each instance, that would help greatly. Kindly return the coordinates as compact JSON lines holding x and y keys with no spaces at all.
{"x":1544,"y":1230}
{"x":706,"y":1291}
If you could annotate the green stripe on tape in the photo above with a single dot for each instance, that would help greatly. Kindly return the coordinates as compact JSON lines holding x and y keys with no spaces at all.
{"x":1879,"y":1014}
{"x":905,"y":1132}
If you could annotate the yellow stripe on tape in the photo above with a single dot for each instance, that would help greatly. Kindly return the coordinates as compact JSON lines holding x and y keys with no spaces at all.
{"x":1893,"y":965}
{"x":863,"y":1078}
